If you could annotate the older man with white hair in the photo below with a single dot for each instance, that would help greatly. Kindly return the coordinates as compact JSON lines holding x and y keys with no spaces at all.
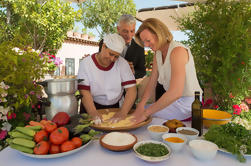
{"x":133,"y":53}
{"x":106,"y":74}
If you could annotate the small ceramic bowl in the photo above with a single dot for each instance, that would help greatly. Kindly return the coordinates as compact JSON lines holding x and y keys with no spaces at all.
{"x":175,"y":146}
{"x":156,"y":131}
{"x":189,"y":132}
{"x":123,"y":146}
{"x":150,"y":158}
{"x":202,"y":149}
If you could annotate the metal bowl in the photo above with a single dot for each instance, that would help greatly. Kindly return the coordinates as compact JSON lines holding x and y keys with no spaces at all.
{"x":60,"y":86}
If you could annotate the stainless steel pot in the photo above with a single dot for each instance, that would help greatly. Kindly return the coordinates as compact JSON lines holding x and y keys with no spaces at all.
{"x":60,"y":86}
{"x":61,"y":103}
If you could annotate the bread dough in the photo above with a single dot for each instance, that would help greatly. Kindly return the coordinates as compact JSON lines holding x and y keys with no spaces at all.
{"x":123,"y":123}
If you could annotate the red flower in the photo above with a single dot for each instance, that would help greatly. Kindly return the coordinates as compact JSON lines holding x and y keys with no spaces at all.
{"x":243,"y":63}
{"x":216,"y":107}
{"x":231,"y":95}
{"x":13,"y":115}
{"x":9,"y":116}
{"x":237,"y":109}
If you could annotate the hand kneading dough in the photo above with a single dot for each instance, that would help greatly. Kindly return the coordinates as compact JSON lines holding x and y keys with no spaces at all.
{"x":123,"y":123}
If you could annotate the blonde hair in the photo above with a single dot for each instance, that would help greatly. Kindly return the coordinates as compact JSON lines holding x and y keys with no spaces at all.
{"x":156,"y":27}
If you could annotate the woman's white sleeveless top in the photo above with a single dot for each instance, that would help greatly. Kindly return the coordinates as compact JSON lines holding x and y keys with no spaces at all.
{"x":164,"y":69}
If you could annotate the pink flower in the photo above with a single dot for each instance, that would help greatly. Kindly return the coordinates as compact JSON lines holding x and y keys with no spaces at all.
{"x":33,"y":106}
{"x":58,"y":61}
{"x":244,"y":107}
{"x":27,"y":116}
{"x":3,"y":134}
{"x":32,"y":92}
{"x":38,"y":106}
{"x":26,"y":96}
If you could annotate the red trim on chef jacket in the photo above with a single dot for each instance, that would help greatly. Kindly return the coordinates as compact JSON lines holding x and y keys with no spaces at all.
{"x":128,"y":82}
{"x":99,"y":66}
{"x":83,"y":87}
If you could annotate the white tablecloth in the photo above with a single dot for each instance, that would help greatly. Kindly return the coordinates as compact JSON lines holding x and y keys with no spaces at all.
{"x":95,"y":155}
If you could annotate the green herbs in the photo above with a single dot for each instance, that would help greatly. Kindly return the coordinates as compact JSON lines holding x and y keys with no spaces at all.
{"x":152,"y":149}
{"x":232,"y":137}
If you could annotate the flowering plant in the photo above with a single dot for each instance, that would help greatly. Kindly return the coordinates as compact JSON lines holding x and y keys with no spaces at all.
{"x":20,"y":68}
{"x":241,"y":113}
{"x":52,"y":61}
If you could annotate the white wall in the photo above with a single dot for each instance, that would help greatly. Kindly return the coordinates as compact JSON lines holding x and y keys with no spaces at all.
{"x":75,"y":50}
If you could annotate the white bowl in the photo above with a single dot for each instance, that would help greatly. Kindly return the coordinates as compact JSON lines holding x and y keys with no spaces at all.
{"x":174,"y":146}
{"x":157,"y":135}
{"x":202,"y":149}
{"x":149,"y":158}
{"x":189,"y":137}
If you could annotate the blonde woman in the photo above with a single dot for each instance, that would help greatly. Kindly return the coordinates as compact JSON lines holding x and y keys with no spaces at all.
{"x":173,"y":68}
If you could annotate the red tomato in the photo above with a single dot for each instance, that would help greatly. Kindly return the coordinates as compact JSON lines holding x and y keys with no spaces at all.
{"x":54,"y":149}
{"x":67,"y":146}
{"x":77,"y":141}
{"x":41,"y":135}
{"x":59,"y":135}
{"x":50,"y":127}
{"x":42,"y":148}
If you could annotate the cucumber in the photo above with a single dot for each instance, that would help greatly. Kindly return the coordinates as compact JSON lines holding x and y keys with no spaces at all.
{"x":26,"y":130}
{"x":17,"y":134}
{"x":21,"y":148}
{"x":24,"y":142}
{"x":35,"y":128}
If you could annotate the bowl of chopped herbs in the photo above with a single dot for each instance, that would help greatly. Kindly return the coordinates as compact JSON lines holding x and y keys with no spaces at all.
{"x":152,"y":151}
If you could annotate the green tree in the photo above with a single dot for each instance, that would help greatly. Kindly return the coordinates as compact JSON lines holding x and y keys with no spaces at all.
{"x":44,"y":21}
{"x":219,"y":34}
{"x":104,"y":14}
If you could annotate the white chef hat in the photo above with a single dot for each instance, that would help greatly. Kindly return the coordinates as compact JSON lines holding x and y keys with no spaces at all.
{"x":115,"y":42}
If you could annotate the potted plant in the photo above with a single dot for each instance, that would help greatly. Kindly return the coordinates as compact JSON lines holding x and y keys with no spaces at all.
{"x":219,"y":38}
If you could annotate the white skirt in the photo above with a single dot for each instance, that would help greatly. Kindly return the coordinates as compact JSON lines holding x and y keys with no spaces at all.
{"x":179,"y":109}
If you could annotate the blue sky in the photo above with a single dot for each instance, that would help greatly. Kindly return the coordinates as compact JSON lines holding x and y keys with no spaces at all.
{"x":147,"y":4}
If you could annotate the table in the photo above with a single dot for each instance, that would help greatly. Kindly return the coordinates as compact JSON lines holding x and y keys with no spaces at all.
{"x":95,"y":155}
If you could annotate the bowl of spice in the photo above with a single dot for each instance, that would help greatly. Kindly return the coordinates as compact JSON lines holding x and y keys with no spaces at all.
{"x":174,"y":140}
{"x":118,"y":141}
{"x":156,"y":131}
{"x":189,"y":132}
{"x":152,"y":151}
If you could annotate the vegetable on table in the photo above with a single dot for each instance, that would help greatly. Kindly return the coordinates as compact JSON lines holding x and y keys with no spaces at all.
{"x":67,"y":146}
{"x":41,"y":135}
{"x":61,"y":118}
{"x":59,"y":135}
{"x":232,"y":137}
{"x":42,"y":148}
